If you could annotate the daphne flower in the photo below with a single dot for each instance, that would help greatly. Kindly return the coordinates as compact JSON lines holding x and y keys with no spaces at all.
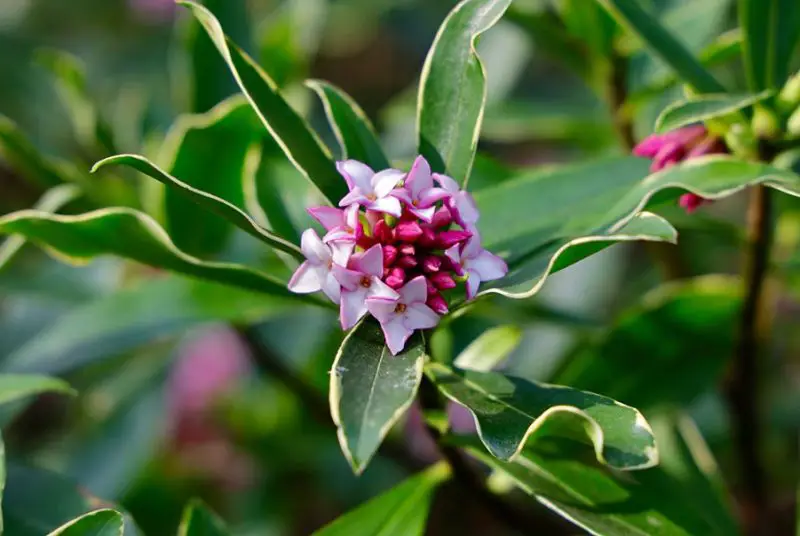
{"x":361,"y":280}
{"x":461,"y":204}
{"x":342,"y":225}
{"x":418,"y":192}
{"x":478,"y":264}
{"x":401,"y":316}
{"x":316,"y":273}
{"x":369,"y":189}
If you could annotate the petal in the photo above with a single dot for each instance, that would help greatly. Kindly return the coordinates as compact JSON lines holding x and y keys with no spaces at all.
{"x":328,"y":217}
{"x":415,"y":291}
{"x":339,"y":235}
{"x":473,"y":246}
{"x":447,"y":183}
{"x":430,"y":196}
{"x":473,"y":282}
{"x":384,"y":181}
{"x":649,"y":146}
{"x":355,"y":197}
{"x":379,"y":289}
{"x":403,"y":195}
{"x":369,"y":262}
{"x":341,"y":251}
{"x":388,"y":205}
{"x":313,"y":248}
{"x":454,"y":255}
{"x":425,"y":214}
{"x":419,"y":178}
{"x":351,"y":217}
{"x":307,"y":278}
{"x":382,"y":308}
{"x":466,"y":208}
{"x":357,"y":174}
{"x":353,"y":307}
{"x":350,"y":280}
{"x":396,"y":335}
{"x":420,"y":316}
{"x":332,"y":288}
{"x":488,"y":266}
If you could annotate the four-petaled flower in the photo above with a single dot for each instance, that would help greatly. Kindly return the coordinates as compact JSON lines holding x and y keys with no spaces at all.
{"x":418,"y":192}
{"x":316,"y":273}
{"x":361,"y":280}
{"x":401,"y":316}
{"x":342,"y":225}
{"x":476,"y":263}
{"x":369,"y":189}
{"x":461,"y":204}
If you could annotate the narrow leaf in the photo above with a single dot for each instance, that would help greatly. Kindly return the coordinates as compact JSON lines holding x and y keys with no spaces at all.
{"x":705,"y":107}
{"x":206,"y":200}
{"x":508,"y":410}
{"x":663,"y":44}
{"x":772,"y":30}
{"x":198,"y":520}
{"x":352,"y":127}
{"x":452,"y":92}
{"x":401,"y":511}
{"x":17,"y":386}
{"x":292,"y":133}
{"x":97,"y":523}
{"x":370,"y":389}
{"x":26,"y":159}
{"x":490,"y":349}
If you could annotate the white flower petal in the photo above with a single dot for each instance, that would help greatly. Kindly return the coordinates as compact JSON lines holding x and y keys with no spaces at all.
{"x":357,"y":174}
{"x":355,"y":197}
{"x":425,"y":214}
{"x":350,"y":280}
{"x":307,"y":278}
{"x":353,"y":307}
{"x":332,"y":288}
{"x":313,"y":248}
{"x":419,"y":178}
{"x":396,"y":335}
{"x":447,"y":183}
{"x":328,"y":217}
{"x":384,"y":181}
{"x":488,"y":266}
{"x":388,"y":205}
{"x":382,"y":308}
{"x":473,"y":282}
{"x":369,"y":262}
{"x":420,"y":316}
{"x":466,"y":208}
{"x":415,"y":291}
{"x":341,"y":251}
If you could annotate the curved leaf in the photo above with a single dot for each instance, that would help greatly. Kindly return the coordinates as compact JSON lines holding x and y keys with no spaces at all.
{"x":352,"y":127}
{"x":17,"y":386}
{"x":490,"y":349}
{"x":370,"y":389}
{"x":772,"y":33}
{"x":452,"y":91}
{"x":290,"y":131}
{"x":211,"y":202}
{"x":131,"y":235}
{"x":26,"y":159}
{"x":97,"y":523}
{"x":508,"y":410}
{"x":630,"y":14}
{"x":705,"y":107}
{"x":132,"y":317}
{"x":198,"y":520}
{"x":401,"y":511}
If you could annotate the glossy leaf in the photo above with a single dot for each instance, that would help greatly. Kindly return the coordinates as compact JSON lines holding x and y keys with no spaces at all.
{"x":352,"y":127}
{"x":401,"y":511}
{"x":51,"y":201}
{"x":97,"y":523}
{"x":597,"y":500}
{"x":298,"y":141}
{"x":136,"y":316}
{"x":370,"y":389}
{"x":198,"y":520}
{"x":663,"y":44}
{"x":631,"y":365}
{"x":705,"y":107}
{"x":509,"y":410}
{"x":771,"y":36}
{"x":211,"y":153}
{"x":131,"y":235}
{"x":14,"y":387}
{"x":452,"y":91}
{"x":490,"y":349}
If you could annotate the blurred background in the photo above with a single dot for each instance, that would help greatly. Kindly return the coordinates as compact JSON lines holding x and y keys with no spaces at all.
{"x":174,"y":407}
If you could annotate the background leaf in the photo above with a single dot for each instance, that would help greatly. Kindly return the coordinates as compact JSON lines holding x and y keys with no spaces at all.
{"x":98,"y":523}
{"x":489,"y":349}
{"x":16,"y":386}
{"x":198,"y":520}
{"x":703,"y":108}
{"x":771,"y":33}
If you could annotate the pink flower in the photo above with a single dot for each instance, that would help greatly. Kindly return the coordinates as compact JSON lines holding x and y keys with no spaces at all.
{"x":478,"y":264}
{"x":342,"y":225}
{"x":401,"y":316}
{"x":369,"y":189}
{"x":418,"y":192}
{"x":361,"y":280}
{"x":317,"y":272}
{"x":691,"y":202}
{"x":461,"y":204}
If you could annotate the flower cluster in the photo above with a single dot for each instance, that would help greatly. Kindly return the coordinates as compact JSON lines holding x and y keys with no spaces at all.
{"x":396,"y":247}
{"x":676,"y":146}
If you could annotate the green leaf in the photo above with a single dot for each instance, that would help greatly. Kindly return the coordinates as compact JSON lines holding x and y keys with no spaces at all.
{"x":705,"y":107}
{"x":132,"y":317}
{"x":352,"y":127}
{"x":663,"y":44}
{"x":51,"y":201}
{"x":370,"y":389}
{"x":490,"y":349}
{"x":14,"y":387}
{"x":598,"y":500}
{"x":212,"y":153}
{"x":452,"y":91}
{"x":401,"y":511}
{"x":98,"y":523}
{"x":26,"y":159}
{"x":508,"y":410}
{"x":292,"y":133}
{"x":771,"y":33}
{"x":631,"y":364}
{"x":198,"y":520}
{"x":590,"y":24}
{"x":204,"y":199}
{"x":131,"y":235}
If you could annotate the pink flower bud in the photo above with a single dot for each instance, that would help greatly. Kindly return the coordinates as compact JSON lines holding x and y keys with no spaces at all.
{"x":670,"y":153}
{"x":396,"y":278}
{"x":432,"y":263}
{"x":431,"y":287}
{"x":691,"y":202}
{"x":407,"y":262}
{"x":365,"y":241}
{"x":442,"y":218}
{"x":389,"y":255}
{"x":382,"y":232}
{"x":437,"y":302}
{"x":442,"y":281}
{"x":428,"y":238}
{"x":408,"y":231}
{"x":407,"y":249}
{"x":448,"y":239}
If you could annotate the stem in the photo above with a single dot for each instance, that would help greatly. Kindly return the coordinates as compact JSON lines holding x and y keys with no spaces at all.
{"x":743,"y":382}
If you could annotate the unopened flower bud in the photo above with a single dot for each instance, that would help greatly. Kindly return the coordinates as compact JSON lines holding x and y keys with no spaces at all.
{"x":382,"y":232}
{"x":442,"y":218}
{"x":407,"y":249}
{"x":428,"y":238}
{"x":437,"y":302}
{"x":389,"y":255}
{"x":432,"y":264}
{"x":407,"y":262}
{"x":396,"y":278}
{"x":691,"y":202}
{"x":448,"y":239}
{"x":408,"y":231}
{"x":442,"y":281}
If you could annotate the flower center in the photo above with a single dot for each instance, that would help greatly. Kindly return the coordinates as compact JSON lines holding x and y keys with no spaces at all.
{"x":372,"y":197}
{"x":400,"y":308}
{"x":365,"y":282}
